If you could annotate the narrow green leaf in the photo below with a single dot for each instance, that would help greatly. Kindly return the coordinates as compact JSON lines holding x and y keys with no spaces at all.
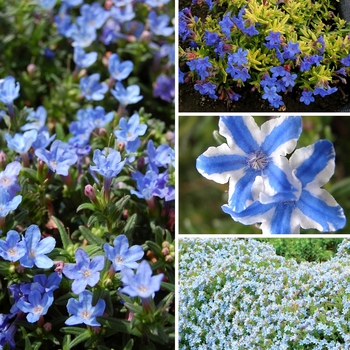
{"x":130,"y":225}
{"x":154,"y":247}
{"x":168,"y":286}
{"x":121,"y":325}
{"x":88,"y":206}
{"x":129,"y":345}
{"x":64,"y":236}
{"x":73,"y":330}
{"x":66,"y":342}
{"x":28,"y":344}
{"x":80,"y":338}
{"x":90,"y":237}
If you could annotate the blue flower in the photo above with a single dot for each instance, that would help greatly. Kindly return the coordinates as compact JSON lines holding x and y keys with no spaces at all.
{"x":211,"y":38}
{"x":43,"y":139}
{"x":7,"y":202}
{"x":59,"y":158}
{"x":206,"y":89}
{"x":159,"y":24}
{"x":36,"y":249}
{"x":82,"y":311}
{"x":83,"y":36}
{"x":12,"y":249}
{"x":9,"y":90}
{"x":108,"y":162}
{"x":291,"y":50}
{"x":345,"y":61}
{"x":93,"y":15}
{"x":250,"y":152}
{"x":307,"y":97}
{"x":84,"y":272}
{"x":43,"y":283}
{"x":83,"y":59}
{"x":313,"y":207}
{"x":91,"y":87}
{"x":273,"y":40}
{"x":122,"y":14}
{"x":9,"y":178}
{"x":119,"y":70}
{"x":239,"y":58}
{"x":126,"y":96}
{"x":37,"y":119}
{"x":36,"y":306}
{"x":21,"y":143}
{"x":121,"y":255}
{"x":142,"y":284}
{"x":130,"y":129}
{"x":164,"y":87}
{"x":46,"y":4}
{"x":200,"y":65}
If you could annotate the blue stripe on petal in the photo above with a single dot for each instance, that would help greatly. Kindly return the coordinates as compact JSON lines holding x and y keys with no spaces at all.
{"x":289,"y":129}
{"x":219,"y":164}
{"x":242,"y":191}
{"x":255,"y":213}
{"x":241,"y":135}
{"x":331,"y":218}
{"x":317,"y":161}
{"x":281,"y":221}
{"x":279,"y":182}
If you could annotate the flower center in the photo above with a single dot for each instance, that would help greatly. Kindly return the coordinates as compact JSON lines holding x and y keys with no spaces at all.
{"x":12,"y":251}
{"x":53,"y":163}
{"x":87,"y":273}
{"x":119,"y":259}
{"x":32,"y":253}
{"x":142,"y":288}
{"x":85,"y":314}
{"x":38,"y":309}
{"x":5,"y":181}
{"x":257,"y":160}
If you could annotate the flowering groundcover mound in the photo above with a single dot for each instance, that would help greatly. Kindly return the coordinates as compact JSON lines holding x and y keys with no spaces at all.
{"x":238,"y":294}
{"x":294,"y":54}
{"x":87,"y":252}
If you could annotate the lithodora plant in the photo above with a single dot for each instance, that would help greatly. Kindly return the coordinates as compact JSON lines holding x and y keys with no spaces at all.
{"x":274,"y":46}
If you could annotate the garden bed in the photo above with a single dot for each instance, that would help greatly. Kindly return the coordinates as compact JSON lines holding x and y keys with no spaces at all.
{"x":251,"y":99}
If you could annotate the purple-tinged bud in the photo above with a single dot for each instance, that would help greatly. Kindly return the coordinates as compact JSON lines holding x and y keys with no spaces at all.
{"x":140,"y":163}
{"x":2,"y":159}
{"x":146,"y":36}
{"x":121,"y":146}
{"x":169,"y":258}
{"x":165,"y":244}
{"x":165,"y":251}
{"x":31,"y":69}
{"x":48,"y":326}
{"x":90,"y":192}
{"x":102,"y":132}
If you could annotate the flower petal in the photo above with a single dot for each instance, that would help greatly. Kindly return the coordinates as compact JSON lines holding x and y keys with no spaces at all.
{"x":281,"y":134}
{"x":240,"y":192}
{"x":240,"y":132}
{"x":255,"y":213}
{"x":219,"y":164}
{"x":320,"y":210}
{"x":314,"y":164}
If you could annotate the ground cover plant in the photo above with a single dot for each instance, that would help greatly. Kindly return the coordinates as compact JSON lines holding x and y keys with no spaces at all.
{"x":87,"y":211}
{"x":197,"y":134}
{"x":239,"y":294}
{"x":278,"y":48}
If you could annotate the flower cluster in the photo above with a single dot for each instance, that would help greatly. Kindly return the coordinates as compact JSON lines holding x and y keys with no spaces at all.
{"x":264,"y":186}
{"x":277,"y":47}
{"x":87,"y":174}
{"x":238,"y":294}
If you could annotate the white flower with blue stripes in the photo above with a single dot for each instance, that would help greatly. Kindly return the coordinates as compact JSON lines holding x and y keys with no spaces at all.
{"x":314,"y":207}
{"x":251,"y":151}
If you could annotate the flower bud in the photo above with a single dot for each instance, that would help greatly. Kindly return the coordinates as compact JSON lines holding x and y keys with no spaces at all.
{"x":165,"y":244}
{"x":48,"y":326}
{"x":90,"y":192}
{"x":31,"y":69}
{"x":165,"y":251}
{"x":169,"y":258}
{"x":2,"y":159}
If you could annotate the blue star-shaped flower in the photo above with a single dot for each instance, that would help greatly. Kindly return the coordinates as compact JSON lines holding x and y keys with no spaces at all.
{"x":313,"y":207}
{"x":250,"y":152}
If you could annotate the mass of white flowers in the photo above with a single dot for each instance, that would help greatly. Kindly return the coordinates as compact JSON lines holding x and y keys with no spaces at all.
{"x":238,"y":294}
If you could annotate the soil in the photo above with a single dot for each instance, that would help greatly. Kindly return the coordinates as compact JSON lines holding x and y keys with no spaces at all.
{"x":191,"y":100}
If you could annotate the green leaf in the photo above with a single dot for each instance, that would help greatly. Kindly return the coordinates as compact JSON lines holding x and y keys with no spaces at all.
{"x":168,"y":286}
{"x":80,"y":338}
{"x":130,"y":225}
{"x":28,"y":344}
{"x":154,"y":247}
{"x":90,"y":237}
{"x":66,"y":342}
{"x":73,"y":330}
{"x":121,"y":325}
{"x":64,"y":236}
{"x":88,"y":206}
{"x":129,"y":345}
{"x":133,"y":308}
